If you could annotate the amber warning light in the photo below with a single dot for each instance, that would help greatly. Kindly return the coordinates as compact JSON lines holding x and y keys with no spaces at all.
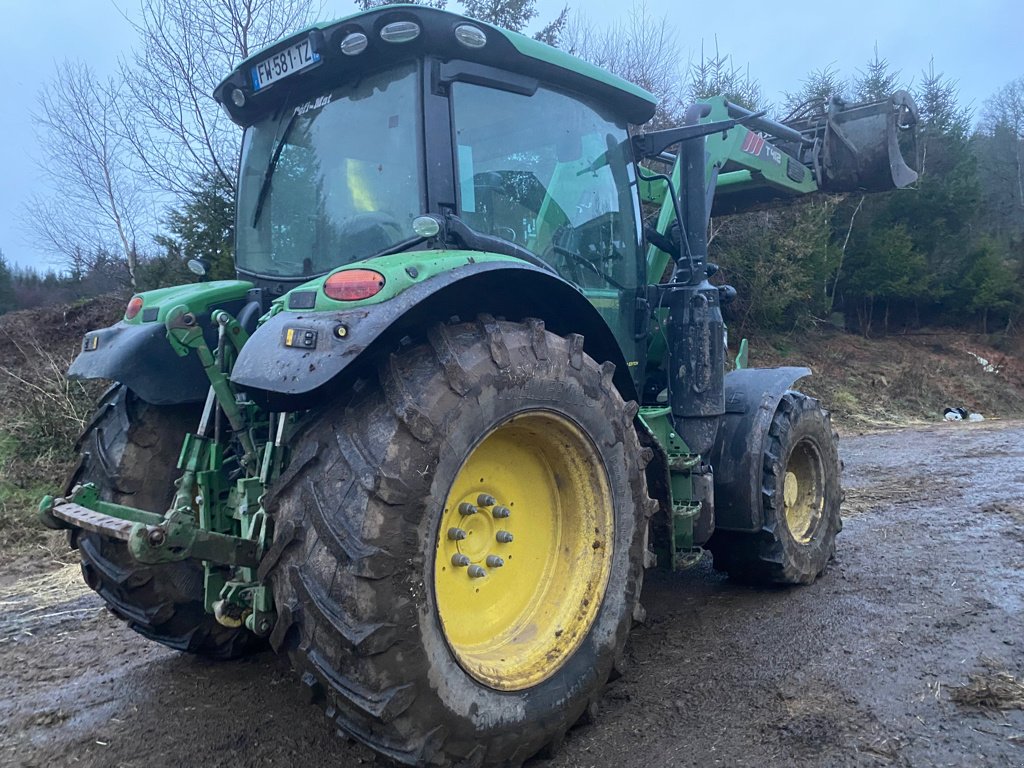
{"x":353,"y":284}
{"x":133,"y":307}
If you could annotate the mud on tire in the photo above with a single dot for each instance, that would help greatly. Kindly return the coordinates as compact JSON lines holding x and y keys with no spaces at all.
{"x":129,"y":451}
{"x":800,"y":501}
{"x":362,"y":500}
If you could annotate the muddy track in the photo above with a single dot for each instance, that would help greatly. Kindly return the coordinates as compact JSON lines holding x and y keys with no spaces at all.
{"x":926,"y":589}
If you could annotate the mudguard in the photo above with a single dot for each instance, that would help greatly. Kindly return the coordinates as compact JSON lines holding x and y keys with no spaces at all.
{"x":139,"y":357}
{"x":751,"y":397}
{"x":295,"y":357}
{"x":137,"y":354}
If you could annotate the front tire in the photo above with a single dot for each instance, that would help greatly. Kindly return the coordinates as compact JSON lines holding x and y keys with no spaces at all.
{"x":800,"y":501}
{"x":433,"y":658}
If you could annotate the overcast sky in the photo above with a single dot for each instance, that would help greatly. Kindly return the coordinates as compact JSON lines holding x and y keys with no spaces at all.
{"x":979,"y":43}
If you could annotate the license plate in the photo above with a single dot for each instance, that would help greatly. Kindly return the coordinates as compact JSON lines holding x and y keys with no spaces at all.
{"x":284,"y":63}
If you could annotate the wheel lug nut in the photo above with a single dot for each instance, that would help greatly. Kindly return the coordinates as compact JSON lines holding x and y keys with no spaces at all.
{"x":456,"y":534}
{"x":493,"y":561}
{"x":466,"y":508}
{"x":500,"y":512}
{"x":504,"y":537}
{"x":460,"y":560}
{"x":485,"y":500}
{"x":476,"y":572}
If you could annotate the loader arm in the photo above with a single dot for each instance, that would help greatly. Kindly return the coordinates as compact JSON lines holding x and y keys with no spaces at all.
{"x":758,"y":162}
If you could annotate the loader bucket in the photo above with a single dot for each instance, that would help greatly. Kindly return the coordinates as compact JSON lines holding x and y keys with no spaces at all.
{"x":861,"y":145}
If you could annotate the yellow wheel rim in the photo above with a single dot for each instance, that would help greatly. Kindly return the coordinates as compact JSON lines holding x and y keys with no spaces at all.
{"x":519,"y":579}
{"x":803,"y":490}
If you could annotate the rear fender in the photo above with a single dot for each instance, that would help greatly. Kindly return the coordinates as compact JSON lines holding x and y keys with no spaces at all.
{"x":136,"y":352}
{"x":752,"y":396}
{"x":297,"y":358}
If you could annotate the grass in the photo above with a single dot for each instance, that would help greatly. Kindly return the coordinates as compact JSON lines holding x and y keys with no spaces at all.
{"x":991,"y":689}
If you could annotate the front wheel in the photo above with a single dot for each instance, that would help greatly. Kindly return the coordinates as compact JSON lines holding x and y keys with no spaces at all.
{"x":468,"y":546}
{"x":800,"y":500}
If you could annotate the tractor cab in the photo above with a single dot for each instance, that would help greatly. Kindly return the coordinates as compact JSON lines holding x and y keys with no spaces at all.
{"x":357,"y":129}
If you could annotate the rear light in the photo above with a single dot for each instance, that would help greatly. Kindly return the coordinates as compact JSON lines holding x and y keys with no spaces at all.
{"x":353,"y":284}
{"x":133,"y":307}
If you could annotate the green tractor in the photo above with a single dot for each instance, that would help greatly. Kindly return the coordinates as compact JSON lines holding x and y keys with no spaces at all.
{"x":461,"y":395}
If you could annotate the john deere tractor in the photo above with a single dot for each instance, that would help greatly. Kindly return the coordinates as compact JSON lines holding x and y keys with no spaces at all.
{"x":471,"y":382}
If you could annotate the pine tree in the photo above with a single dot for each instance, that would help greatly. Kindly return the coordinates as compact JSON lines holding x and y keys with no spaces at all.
{"x":6,"y":286}
{"x":204,"y":226}
{"x":509,"y":14}
{"x":717,"y":75}
{"x":877,"y":82}
{"x":816,"y":91}
{"x":551,"y":33}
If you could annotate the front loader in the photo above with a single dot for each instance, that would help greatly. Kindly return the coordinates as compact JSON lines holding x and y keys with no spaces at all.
{"x":461,"y":395}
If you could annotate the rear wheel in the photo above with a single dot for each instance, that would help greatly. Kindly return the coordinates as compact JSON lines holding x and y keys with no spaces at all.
{"x":130,"y":452}
{"x":468,"y":546}
{"x":800,"y":501}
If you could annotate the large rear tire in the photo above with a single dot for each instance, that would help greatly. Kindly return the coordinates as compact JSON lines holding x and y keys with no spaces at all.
{"x":800,"y":500}
{"x":392,"y":604}
{"x":129,"y":451}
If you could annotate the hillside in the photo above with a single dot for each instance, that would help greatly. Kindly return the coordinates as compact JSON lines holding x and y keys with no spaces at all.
{"x":901,"y":380}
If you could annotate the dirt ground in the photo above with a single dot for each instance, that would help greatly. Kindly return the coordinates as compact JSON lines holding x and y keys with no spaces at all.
{"x":925,"y":596}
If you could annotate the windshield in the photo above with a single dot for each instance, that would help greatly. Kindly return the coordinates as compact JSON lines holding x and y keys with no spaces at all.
{"x":549,"y":173}
{"x":344,"y":178}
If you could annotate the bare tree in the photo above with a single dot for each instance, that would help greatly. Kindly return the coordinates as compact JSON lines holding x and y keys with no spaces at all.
{"x":187,"y":47}
{"x":1004,"y":110}
{"x":98,"y":203}
{"x":642,"y":50}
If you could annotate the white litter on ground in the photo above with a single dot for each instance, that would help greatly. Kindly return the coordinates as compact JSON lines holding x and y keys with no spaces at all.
{"x":984,"y":363}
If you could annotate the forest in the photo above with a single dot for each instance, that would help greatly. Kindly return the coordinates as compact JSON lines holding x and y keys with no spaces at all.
{"x":144,"y":188}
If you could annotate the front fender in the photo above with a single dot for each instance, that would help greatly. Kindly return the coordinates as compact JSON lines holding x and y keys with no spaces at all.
{"x":752,"y":396}
{"x":295,"y":357}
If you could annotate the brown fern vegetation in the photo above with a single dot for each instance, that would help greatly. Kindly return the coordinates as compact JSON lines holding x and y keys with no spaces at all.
{"x":42,"y":411}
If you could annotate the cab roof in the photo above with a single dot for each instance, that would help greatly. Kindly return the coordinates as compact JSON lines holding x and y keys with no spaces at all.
{"x":506,"y":52}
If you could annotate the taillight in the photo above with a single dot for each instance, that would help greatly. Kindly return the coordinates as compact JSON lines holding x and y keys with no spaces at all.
{"x":353,"y":284}
{"x":133,"y":307}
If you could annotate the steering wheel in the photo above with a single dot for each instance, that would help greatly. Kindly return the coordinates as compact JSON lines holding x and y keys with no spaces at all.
{"x":367,"y":233}
{"x":561,"y":246}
